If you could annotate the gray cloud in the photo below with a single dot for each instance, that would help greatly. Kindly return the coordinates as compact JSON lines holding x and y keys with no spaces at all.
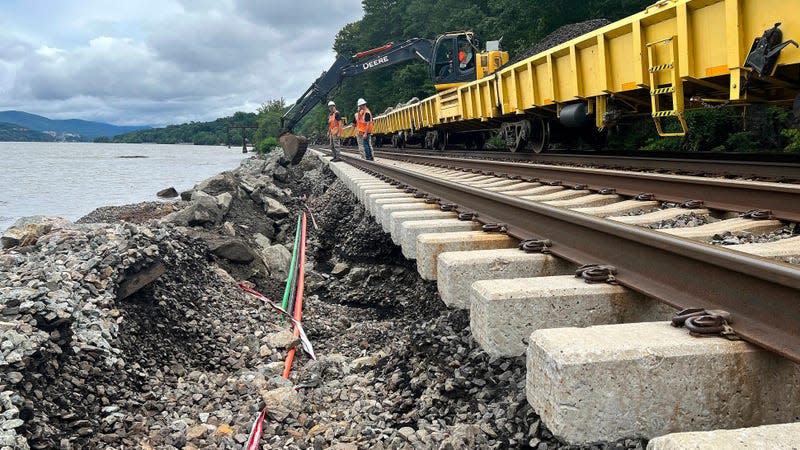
{"x":197,"y":61}
{"x":13,"y":48}
{"x":289,"y":14}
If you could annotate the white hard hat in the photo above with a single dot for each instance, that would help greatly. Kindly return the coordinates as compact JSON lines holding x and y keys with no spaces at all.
{"x":330,"y":103}
{"x":360,"y":102}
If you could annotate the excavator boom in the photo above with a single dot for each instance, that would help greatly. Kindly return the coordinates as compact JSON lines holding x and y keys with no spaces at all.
{"x":294,"y":146}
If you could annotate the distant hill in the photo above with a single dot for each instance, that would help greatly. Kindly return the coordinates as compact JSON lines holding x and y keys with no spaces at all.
{"x":69,"y":130}
{"x":11,"y":132}
{"x":198,"y":133}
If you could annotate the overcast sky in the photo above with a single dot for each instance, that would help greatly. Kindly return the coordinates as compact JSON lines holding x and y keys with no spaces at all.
{"x":159,"y":62}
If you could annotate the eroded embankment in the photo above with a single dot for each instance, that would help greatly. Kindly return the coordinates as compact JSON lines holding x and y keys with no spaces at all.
{"x":188,"y":360}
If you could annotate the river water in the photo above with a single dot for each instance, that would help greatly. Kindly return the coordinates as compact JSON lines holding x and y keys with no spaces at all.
{"x":72,"y":179}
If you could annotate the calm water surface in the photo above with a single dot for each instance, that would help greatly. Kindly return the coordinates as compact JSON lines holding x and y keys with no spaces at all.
{"x":71,"y":179}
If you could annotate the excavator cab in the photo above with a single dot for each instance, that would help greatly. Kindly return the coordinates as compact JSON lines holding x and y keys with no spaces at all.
{"x":457,"y":59}
{"x":454,"y":60}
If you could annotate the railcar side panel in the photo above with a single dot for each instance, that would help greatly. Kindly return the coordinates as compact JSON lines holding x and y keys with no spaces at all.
{"x":699,"y":44}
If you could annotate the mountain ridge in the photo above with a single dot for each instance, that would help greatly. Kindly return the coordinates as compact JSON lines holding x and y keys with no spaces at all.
{"x":67,"y":129}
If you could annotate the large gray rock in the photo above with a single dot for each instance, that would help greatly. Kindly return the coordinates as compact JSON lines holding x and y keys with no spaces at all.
{"x":281,"y":174}
{"x":233,"y":250}
{"x":249,"y":184}
{"x":282,"y":339}
{"x":272,"y":191}
{"x":169,"y":192}
{"x":280,"y":402}
{"x":224,"y":201}
{"x":274,"y":208}
{"x":203,"y":210}
{"x":262,"y":240}
{"x":12,"y":237}
{"x":253,"y":166}
{"x":272,"y":163}
{"x":27,"y":230}
{"x":277,"y":259}
{"x":216,"y":184}
{"x":199,"y":194}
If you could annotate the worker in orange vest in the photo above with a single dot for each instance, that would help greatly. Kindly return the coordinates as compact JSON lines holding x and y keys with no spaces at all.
{"x":364,"y":128}
{"x":334,"y":129}
{"x":464,"y":56}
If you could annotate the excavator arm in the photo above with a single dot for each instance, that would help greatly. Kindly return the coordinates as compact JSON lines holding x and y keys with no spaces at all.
{"x":295,"y":146}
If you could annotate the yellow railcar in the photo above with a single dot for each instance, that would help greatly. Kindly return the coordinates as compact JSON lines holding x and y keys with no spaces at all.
{"x":674,"y":55}
{"x":348,"y":134}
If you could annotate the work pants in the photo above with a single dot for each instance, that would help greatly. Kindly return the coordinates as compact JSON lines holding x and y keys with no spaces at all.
{"x":335,"y":146}
{"x":365,"y":146}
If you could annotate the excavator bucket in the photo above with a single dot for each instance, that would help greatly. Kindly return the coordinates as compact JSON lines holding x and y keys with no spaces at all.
{"x":294,"y":147}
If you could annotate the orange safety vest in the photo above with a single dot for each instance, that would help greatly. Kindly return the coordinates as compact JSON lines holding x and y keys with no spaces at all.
{"x":361,"y":126}
{"x":334,"y":126}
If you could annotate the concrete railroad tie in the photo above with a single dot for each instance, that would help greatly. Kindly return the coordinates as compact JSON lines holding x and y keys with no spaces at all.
{"x":608,"y":382}
{"x":456,"y":271}
{"x":767,"y":437}
{"x":776,"y":249}
{"x":385,"y":209}
{"x":504,"y":313}
{"x":706,"y":232}
{"x":430,"y":245}
{"x":396,"y":220}
{"x":658,"y":216}
{"x":410,"y":230}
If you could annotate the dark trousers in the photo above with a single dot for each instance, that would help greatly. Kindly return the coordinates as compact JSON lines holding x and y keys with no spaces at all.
{"x":366,"y":147}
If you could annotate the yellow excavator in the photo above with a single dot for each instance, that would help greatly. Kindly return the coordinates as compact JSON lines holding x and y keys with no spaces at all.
{"x":454,"y":59}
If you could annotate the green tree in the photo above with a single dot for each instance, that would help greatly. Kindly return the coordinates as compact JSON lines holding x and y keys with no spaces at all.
{"x":269,"y":124}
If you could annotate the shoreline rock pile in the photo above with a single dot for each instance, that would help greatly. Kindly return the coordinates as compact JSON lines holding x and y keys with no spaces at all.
{"x":133,"y":334}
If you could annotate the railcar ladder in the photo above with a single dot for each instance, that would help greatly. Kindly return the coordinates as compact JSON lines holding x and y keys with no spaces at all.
{"x":674,"y":88}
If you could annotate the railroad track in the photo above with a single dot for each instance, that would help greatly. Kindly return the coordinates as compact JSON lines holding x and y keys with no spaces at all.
{"x":445,"y":211}
{"x":770,"y":167}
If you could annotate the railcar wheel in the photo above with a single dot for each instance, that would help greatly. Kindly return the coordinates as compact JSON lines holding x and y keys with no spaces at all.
{"x":539,"y":135}
{"x":441,"y":140}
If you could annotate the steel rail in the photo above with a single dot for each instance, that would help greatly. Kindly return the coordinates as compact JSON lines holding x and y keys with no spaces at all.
{"x":762,"y":295}
{"x":716,"y":193}
{"x":778,"y":167}
{"x":785,"y":168}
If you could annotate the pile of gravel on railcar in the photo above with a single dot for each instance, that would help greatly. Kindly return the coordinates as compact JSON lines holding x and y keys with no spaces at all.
{"x":561,"y":35}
